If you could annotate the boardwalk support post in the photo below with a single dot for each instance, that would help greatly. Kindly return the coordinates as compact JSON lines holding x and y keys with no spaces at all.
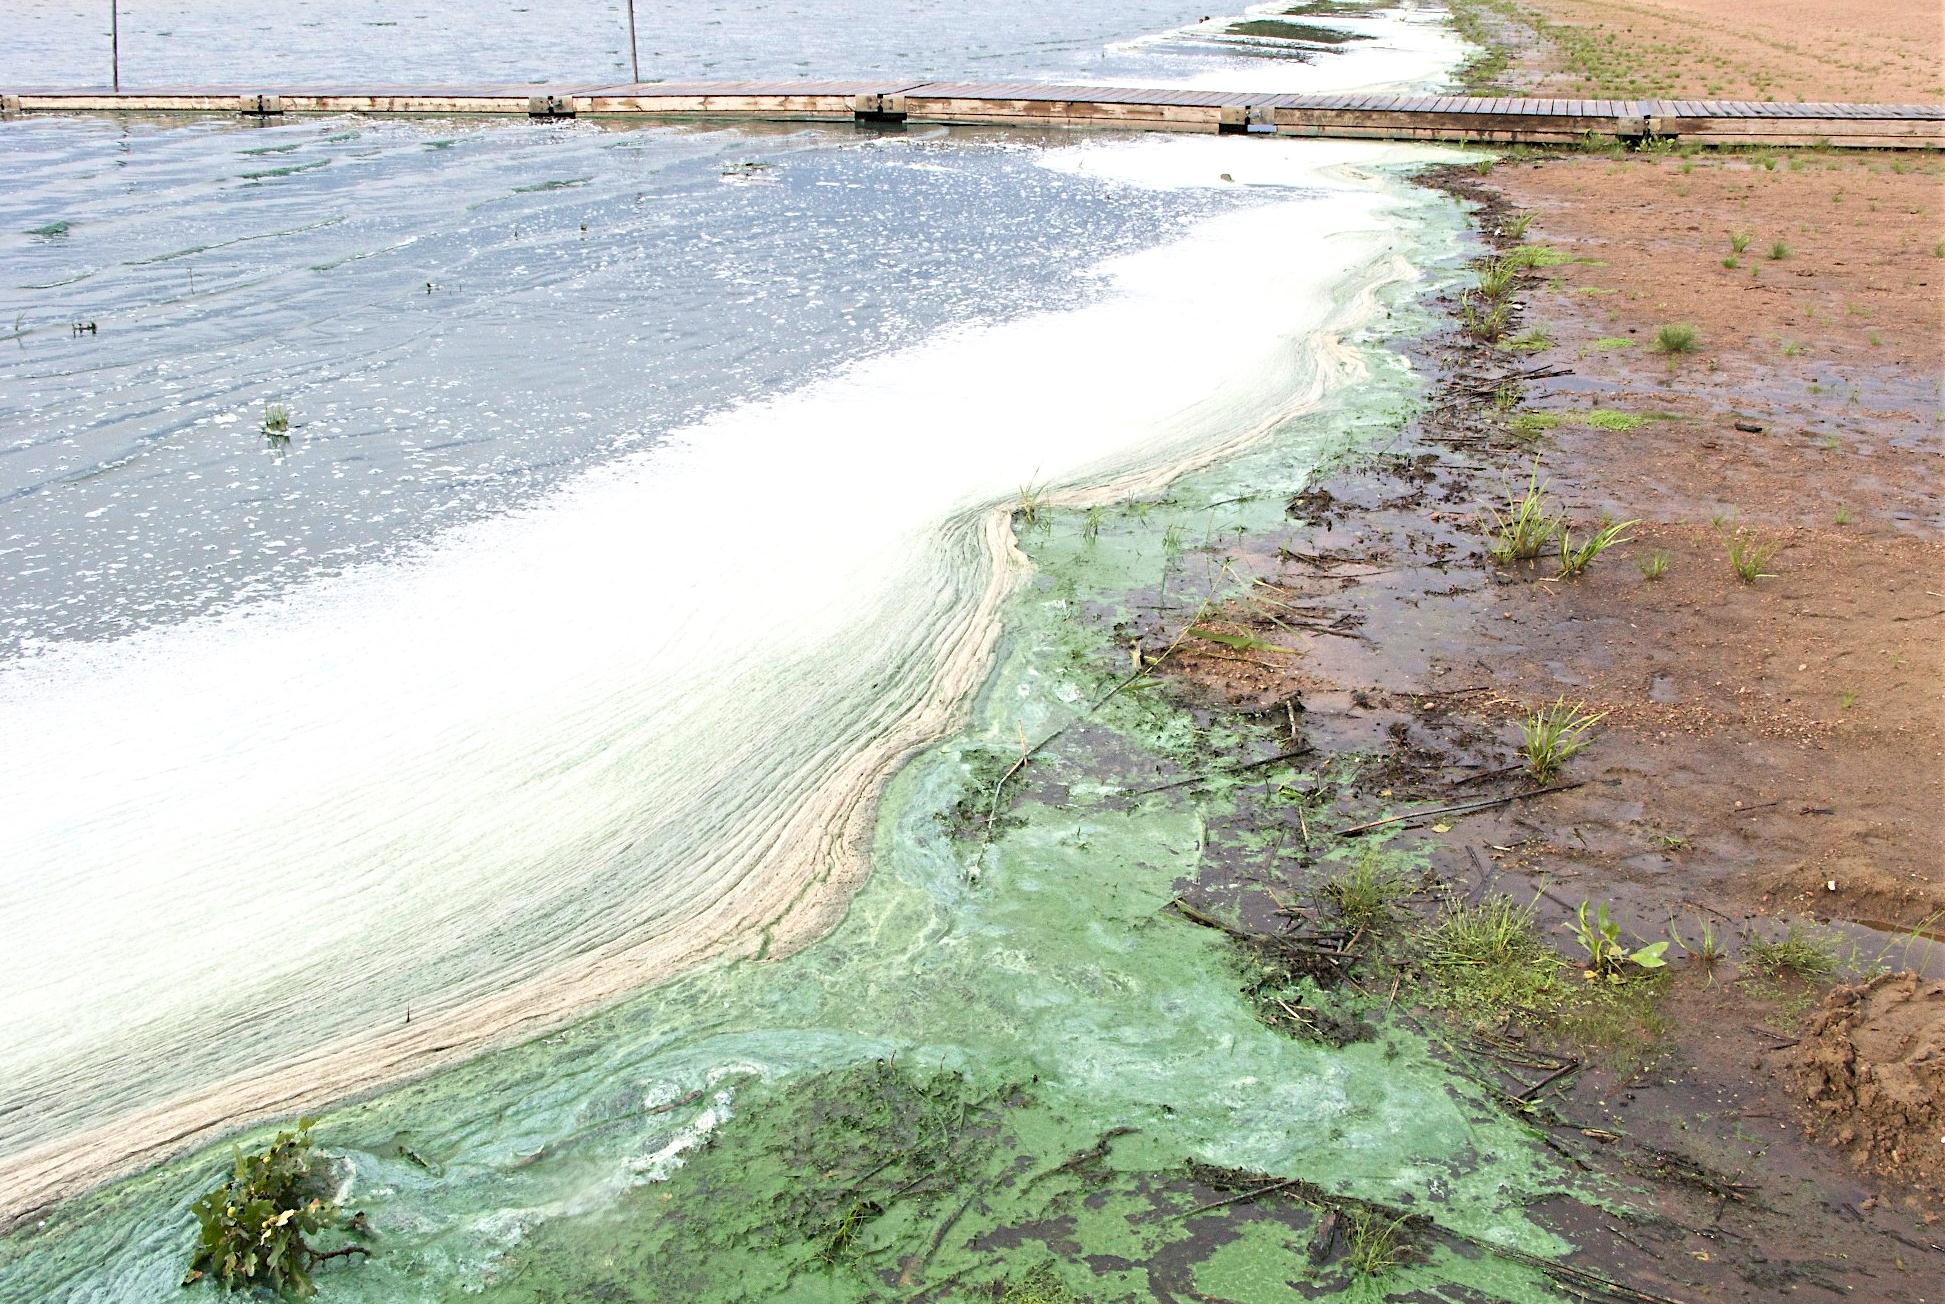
{"x":9,"y":103}
{"x":549,"y":106}
{"x":1232,"y":119}
{"x":260,"y":106}
{"x":878,"y":108}
{"x":1632,"y":127}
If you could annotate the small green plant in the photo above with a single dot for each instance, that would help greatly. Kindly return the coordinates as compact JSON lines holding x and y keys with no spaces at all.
{"x":1524,"y":529}
{"x":1654,"y":565}
{"x":1749,"y":554}
{"x":1673,"y":338}
{"x":1373,"y":1244}
{"x":1608,"y":343}
{"x":1938,"y":250}
{"x":1778,"y":252}
{"x":1516,"y":229}
{"x":1708,"y":950}
{"x":1038,"y":1285}
{"x":1552,"y":735}
{"x":1847,"y":699}
{"x":1031,"y":509}
{"x":1366,"y":895}
{"x":1792,"y":349}
{"x":1496,"y":279}
{"x":276,"y":420}
{"x":254,"y":1226}
{"x":1731,"y":262}
{"x":1532,"y":341}
{"x":1486,"y":324}
{"x":1484,"y":167}
{"x":1796,"y":953}
{"x":1739,"y":242}
{"x":1607,"y":956}
{"x":1574,"y":561}
{"x":1489,"y":959}
{"x":1172,"y":541}
{"x":1843,"y":516}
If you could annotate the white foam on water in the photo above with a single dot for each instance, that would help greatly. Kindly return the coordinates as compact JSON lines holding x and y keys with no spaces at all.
{"x":1409,"y":48}
{"x":487,"y":783}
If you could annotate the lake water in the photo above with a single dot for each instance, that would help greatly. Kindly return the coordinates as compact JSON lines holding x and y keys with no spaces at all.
{"x":633,"y":526}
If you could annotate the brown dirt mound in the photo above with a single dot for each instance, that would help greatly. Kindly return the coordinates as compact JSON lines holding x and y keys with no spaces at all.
{"x":1872,"y":1067}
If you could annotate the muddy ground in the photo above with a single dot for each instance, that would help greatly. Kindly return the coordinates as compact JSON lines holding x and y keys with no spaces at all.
{"x":1771,"y":749}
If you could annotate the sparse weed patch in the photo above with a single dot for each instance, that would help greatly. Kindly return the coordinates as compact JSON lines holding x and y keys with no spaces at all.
{"x":1778,"y":252}
{"x":1532,"y":341}
{"x":1654,"y":565}
{"x":276,"y":420}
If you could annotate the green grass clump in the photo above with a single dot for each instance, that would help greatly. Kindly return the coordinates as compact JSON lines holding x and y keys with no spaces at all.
{"x":1673,"y":338}
{"x":1488,"y":960}
{"x":1654,"y":565}
{"x":1778,"y":252}
{"x":1532,"y":341}
{"x":276,"y":419}
{"x":1796,"y":953}
{"x":1373,"y":1241}
{"x":1608,"y":343}
{"x":1552,"y":735}
{"x":1739,"y":242}
{"x":1525,"y":527}
{"x":1610,"y":419}
{"x":1749,"y":554}
{"x":1366,"y":895}
{"x":1038,"y":1285}
{"x":1575,"y":560}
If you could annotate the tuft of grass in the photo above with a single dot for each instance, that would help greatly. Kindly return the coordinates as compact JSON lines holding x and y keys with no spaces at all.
{"x":1796,"y":953}
{"x":1091,"y":524}
{"x":1366,"y":895}
{"x":1496,"y":279}
{"x":1847,"y":699}
{"x":1523,"y":530}
{"x":1792,"y":349}
{"x":1486,"y":324}
{"x":1739,"y":242}
{"x":1574,"y":561}
{"x":1843,"y":516}
{"x":1654,"y":565}
{"x":1516,"y":229}
{"x":1672,"y":338}
{"x":276,"y":420}
{"x":1488,"y":960}
{"x":1778,"y":252}
{"x":1553,"y":735}
{"x":1731,"y":262}
{"x":1532,"y":341}
{"x":1373,"y":1242}
{"x":1749,"y":554}
{"x":1610,"y":419}
{"x":1031,"y":509}
{"x":1038,"y":1285}
{"x":1608,"y":343}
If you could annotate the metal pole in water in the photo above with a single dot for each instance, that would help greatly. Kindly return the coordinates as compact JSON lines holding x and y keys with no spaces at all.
{"x":115,"y":38}
{"x":634,"y":56}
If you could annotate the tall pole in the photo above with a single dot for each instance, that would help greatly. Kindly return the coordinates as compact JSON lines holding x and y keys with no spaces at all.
{"x":634,"y":56}
{"x":115,"y":38}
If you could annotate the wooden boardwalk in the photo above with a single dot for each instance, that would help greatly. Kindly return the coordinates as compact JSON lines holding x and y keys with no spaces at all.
{"x":1390,"y":117}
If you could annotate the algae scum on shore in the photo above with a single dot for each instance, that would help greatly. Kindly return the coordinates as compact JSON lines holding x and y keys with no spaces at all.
{"x":1011,"y":1071}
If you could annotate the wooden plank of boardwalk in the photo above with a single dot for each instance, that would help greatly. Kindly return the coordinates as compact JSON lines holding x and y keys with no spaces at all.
{"x":1399,"y":117}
